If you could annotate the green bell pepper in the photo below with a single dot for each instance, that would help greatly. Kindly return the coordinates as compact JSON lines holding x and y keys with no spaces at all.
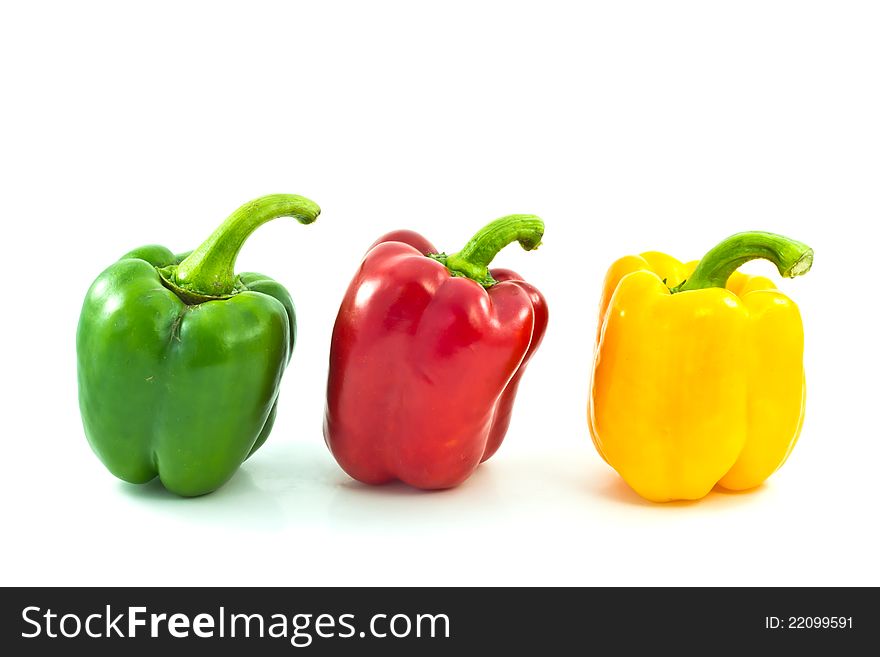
{"x":179,"y":360}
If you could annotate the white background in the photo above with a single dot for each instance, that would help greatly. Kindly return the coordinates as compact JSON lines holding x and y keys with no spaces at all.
{"x":627,"y":126}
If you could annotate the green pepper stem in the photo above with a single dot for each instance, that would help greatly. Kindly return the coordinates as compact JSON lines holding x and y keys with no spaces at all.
{"x":792,"y":258}
{"x":473,"y":260}
{"x":209,"y":271}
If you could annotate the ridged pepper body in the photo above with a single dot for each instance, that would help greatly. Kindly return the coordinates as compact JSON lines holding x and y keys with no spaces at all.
{"x":424,"y":365}
{"x":694,"y":388}
{"x":176,"y":385}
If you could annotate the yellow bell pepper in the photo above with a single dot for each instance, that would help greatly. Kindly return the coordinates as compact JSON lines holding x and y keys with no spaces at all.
{"x":698,"y":376}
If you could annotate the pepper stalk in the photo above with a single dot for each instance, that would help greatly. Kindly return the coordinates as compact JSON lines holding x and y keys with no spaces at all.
{"x":792,"y":258}
{"x":208,"y":273}
{"x":474,"y":259}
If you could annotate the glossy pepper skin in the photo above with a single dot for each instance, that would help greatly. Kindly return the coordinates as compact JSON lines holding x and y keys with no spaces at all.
{"x":698,"y":375}
{"x":179,"y":360}
{"x":426,"y":356}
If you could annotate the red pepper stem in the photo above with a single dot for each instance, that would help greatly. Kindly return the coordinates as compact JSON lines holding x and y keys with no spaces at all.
{"x":474,"y":259}
{"x":792,"y":258}
{"x":209,"y":271}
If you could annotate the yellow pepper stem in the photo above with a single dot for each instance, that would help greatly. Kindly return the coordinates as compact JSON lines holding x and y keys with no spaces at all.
{"x":792,"y":258}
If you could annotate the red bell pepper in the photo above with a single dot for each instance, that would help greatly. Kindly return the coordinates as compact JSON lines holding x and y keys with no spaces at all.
{"x":427,"y":354}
